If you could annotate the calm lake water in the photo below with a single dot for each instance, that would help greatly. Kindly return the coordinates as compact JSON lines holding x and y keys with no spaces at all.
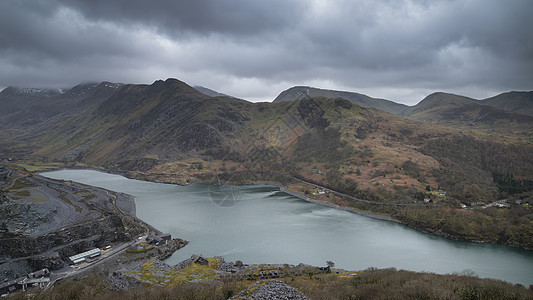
{"x":265,"y":225}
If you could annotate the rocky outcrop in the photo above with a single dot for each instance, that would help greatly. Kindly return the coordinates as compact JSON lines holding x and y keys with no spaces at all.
{"x":50,"y":261}
{"x":274,"y":289}
{"x":119,"y":280}
{"x":71,"y":240}
{"x":166,"y":250}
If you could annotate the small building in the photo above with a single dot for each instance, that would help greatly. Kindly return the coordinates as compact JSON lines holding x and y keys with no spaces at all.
{"x":79,"y":258}
{"x":40,"y":282}
{"x":158,"y":239}
{"x":38,"y":274}
{"x":502,"y":205}
{"x":39,"y":279}
{"x":166,"y":237}
{"x":154,"y":239}
{"x":317,"y":171}
{"x":442,"y":193}
{"x":463,"y":205}
{"x":10,"y":286}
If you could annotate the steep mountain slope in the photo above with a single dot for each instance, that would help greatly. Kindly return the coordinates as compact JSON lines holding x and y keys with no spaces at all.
{"x":140,"y":124}
{"x":518,"y":102}
{"x":301,"y":92}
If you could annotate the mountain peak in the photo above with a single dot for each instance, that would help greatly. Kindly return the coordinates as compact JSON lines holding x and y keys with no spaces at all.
{"x":172,"y":84}
{"x":441,"y":97}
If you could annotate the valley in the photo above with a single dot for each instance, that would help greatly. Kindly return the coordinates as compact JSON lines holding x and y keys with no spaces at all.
{"x":437,"y":167}
{"x":170,"y":132}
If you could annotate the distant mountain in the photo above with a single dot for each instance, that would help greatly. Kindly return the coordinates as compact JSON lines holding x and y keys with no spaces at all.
{"x":210,"y":92}
{"x":518,"y":102}
{"x":302,"y":92}
{"x":440,"y":108}
{"x":31,"y":92}
{"x":437,"y":100}
{"x":13,"y":99}
{"x":28,"y":106}
{"x":509,"y":111}
{"x":463,"y":112}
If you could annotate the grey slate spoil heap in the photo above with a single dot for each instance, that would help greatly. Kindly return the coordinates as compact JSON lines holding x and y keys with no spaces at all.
{"x":273,"y":290}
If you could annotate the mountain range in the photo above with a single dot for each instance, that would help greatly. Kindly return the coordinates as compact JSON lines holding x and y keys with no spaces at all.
{"x":512,"y":111}
{"x":516,"y":102}
{"x":383,"y":156}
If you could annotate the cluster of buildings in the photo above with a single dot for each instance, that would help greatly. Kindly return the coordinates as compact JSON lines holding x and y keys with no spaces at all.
{"x":39,"y":279}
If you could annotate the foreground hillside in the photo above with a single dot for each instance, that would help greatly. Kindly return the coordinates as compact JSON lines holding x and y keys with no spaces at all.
{"x":367,"y":284}
{"x":458,"y":184}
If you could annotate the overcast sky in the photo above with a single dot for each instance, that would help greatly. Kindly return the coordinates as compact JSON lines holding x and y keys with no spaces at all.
{"x":392,"y":49}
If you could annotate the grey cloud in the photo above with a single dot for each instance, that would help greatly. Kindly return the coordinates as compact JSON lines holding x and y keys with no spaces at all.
{"x":228,"y":17}
{"x":56,"y":34}
{"x":395,"y":44}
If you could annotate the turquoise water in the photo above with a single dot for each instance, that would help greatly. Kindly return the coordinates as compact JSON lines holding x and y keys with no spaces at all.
{"x":260,"y":224}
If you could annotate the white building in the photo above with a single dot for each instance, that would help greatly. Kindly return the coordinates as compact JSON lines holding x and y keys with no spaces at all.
{"x":78,"y":258}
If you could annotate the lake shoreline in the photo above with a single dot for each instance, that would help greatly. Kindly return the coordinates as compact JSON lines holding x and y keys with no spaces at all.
{"x":391,"y":219}
{"x":417,"y":227}
{"x":270,"y":209}
{"x":328,"y":204}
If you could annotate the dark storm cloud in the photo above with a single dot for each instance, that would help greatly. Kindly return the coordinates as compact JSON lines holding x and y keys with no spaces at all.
{"x":395,"y":49}
{"x":231,"y":17}
{"x":47,"y":31}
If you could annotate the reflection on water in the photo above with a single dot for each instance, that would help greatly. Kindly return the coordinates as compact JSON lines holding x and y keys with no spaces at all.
{"x":264,"y":225}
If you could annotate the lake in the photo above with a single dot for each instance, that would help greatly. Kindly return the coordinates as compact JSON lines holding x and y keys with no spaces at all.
{"x":260,"y":224}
